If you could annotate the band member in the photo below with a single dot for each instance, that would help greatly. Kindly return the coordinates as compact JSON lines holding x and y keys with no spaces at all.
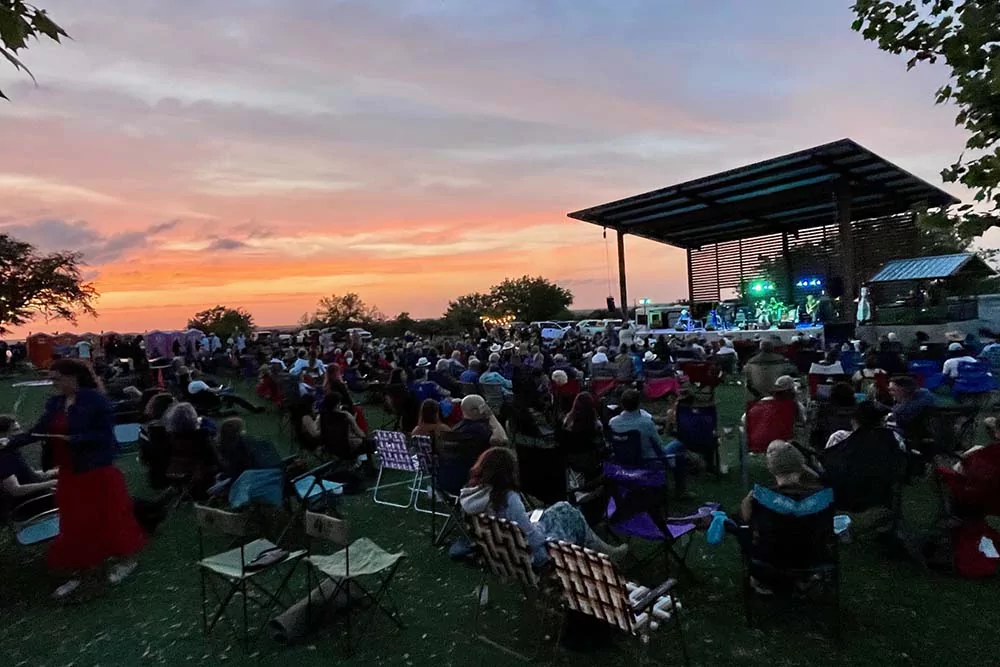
{"x":812,"y":308}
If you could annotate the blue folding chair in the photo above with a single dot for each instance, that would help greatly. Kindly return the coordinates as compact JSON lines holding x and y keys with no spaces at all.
{"x":850,"y":361}
{"x":927,"y":372}
{"x":974,"y":377}
{"x":697,"y":429}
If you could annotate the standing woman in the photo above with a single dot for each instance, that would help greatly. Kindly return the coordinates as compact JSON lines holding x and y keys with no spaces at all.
{"x":96,"y":521}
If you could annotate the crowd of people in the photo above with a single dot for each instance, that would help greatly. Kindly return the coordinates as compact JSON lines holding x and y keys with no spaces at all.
{"x":510,"y":412}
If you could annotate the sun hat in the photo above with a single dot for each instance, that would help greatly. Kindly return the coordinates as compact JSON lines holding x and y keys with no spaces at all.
{"x":649,"y":356}
{"x":955,"y":347}
{"x":508,"y":346}
{"x":423,"y":362}
{"x":495,"y":347}
{"x":784,"y":459}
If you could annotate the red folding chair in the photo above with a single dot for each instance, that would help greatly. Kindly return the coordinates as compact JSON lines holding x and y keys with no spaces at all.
{"x":766,"y":421}
{"x":656,"y":388}
{"x":704,"y":376}
{"x":601,"y":386}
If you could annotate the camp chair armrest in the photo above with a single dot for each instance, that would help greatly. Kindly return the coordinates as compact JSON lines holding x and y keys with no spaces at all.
{"x":315,"y":472}
{"x":650,"y":598}
{"x":43,"y":500}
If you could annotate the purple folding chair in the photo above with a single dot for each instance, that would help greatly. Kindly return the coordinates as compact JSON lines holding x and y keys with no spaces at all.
{"x":394,"y":454}
{"x":637,"y":508}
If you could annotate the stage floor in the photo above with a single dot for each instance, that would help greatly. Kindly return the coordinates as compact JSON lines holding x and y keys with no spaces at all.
{"x":785,"y":335}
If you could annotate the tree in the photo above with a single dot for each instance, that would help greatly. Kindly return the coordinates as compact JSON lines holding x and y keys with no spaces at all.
{"x":222,"y":321}
{"x":34,"y":284}
{"x":531,"y":298}
{"x":19,"y":23}
{"x":965,"y":34}
{"x":345,"y":311}
{"x":465,"y":312}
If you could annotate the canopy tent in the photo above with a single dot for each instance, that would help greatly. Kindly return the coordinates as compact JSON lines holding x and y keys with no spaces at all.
{"x":840,"y":195}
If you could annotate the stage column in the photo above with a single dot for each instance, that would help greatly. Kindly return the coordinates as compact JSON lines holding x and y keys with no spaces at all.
{"x":846,"y":235}
{"x":621,"y":274}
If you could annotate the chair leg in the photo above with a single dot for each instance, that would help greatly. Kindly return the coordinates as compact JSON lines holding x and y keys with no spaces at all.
{"x":204,"y":602}
{"x":246,"y":619}
{"x":680,"y":628}
{"x":378,"y":484}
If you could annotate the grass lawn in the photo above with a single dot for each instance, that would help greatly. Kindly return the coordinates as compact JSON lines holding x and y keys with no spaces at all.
{"x":893,"y":612}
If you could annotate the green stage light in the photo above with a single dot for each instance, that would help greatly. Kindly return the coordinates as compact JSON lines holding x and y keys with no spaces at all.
{"x":761,"y":286}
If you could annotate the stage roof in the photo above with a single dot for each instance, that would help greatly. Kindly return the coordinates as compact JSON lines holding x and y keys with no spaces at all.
{"x":788,"y":193}
{"x":928,"y":268}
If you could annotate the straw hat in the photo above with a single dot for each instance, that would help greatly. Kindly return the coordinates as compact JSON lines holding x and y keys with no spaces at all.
{"x":784,"y":383}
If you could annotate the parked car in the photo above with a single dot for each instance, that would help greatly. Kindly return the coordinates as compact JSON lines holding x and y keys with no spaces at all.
{"x":307,"y":336}
{"x":364,"y":335}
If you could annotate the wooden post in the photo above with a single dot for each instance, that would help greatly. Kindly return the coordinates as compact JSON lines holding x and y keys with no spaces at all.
{"x":621,"y":275}
{"x":847,"y":251}
{"x":691,"y":280}
{"x":789,"y":273}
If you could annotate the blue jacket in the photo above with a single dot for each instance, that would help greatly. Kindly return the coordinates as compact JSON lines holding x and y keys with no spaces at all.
{"x":91,"y":422}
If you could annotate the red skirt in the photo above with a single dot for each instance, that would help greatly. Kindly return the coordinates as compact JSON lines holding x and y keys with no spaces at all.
{"x":96,"y":521}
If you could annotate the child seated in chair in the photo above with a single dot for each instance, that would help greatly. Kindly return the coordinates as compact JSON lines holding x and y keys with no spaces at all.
{"x":494,"y":489}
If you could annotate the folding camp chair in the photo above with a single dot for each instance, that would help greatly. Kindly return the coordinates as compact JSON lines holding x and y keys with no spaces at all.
{"x":240,"y":569}
{"x":394,"y":454}
{"x":35,"y":521}
{"x":655,"y":388}
{"x":766,"y":421}
{"x":791,"y":548}
{"x":820,"y":385}
{"x":602,"y":386}
{"x":704,"y":377}
{"x":424,"y":449}
{"x":508,"y":557}
{"x":592,"y":585}
{"x":468,"y":388}
{"x":638,"y":508}
{"x":345,"y":569}
{"x":127,"y":436}
{"x":975,"y":383}
{"x":851,"y":361}
{"x":455,"y":454}
{"x":927,"y":372}
{"x":697,"y":429}
{"x":494,"y":397}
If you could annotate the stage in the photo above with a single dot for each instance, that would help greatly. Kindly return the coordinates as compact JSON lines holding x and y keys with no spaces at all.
{"x":734,"y":335}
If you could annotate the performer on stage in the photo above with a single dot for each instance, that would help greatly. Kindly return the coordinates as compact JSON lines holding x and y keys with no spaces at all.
{"x":684,"y":321}
{"x":812,"y":308}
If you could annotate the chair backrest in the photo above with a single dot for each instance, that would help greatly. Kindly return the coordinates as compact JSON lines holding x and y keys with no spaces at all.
{"x":504,"y":548}
{"x":865,"y":469}
{"x":625,"y":476}
{"x":769,"y":420}
{"x":974,"y":377}
{"x":697,"y":426}
{"x":468,"y":388}
{"x":820,"y":385}
{"x":393,"y":452}
{"x":702,"y":373}
{"x":600,"y":386}
{"x":850,"y":361}
{"x":591,"y":585}
{"x":423,"y":447}
{"x":493,"y":395}
{"x":218,"y":520}
{"x":127,"y":434}
{"x":325,"y":527}
{"x":792,"y":531}
{"x":626,"y":447}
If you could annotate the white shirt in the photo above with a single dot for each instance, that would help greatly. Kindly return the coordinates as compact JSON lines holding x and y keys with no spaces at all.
{"x":196,"y":386}
{"x":725,"y":350}
{"x":83,"y":349}
{"x":951,"y":366}
{"x":241,"y":343}
{"x":302,"y":365}
{"x":215,"y":344}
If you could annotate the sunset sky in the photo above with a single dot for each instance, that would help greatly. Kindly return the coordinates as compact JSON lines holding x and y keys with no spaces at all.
{"x":264,"y":153}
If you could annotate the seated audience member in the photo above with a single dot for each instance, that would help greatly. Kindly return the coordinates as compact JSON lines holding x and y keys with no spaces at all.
{"x":267,"y":386}
{"x":632,"y":418}
{"x":423,"y":388}
{"x":479,"y":422}
{"x":764,"y":368}
{"x":582,"y":418}
{"x":793,"y":481}
{"x":442,"y":375}
{"x":471,"y":374}
{"x":991,"y":352}
{"x":493,"y":376}
{"x":653,"y":366}
{"x":624,"y":367}
{"x":832,"y":415}
{"x":19,"y":482}
{"x":239,"y":452}
{"x":493,"y":489}
{"x":912,"y":405}
{"x":154,"y":443}
{"x":784,"y":390}
{"x":560,"y":363}
{"x":727,"y":357}
{"x":600,"y":365}
{"x":193,"y":459}
{"x":975,"y":479}
{"x":957,"y":354}
{"x":868,"y":379}
{"x":430,"y":423}
{"x":209,"y":397}
{"x":309,"y":367}
{"x":340,"y":434}
{"x":861,"y":465}
{"x":792,"y":477}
